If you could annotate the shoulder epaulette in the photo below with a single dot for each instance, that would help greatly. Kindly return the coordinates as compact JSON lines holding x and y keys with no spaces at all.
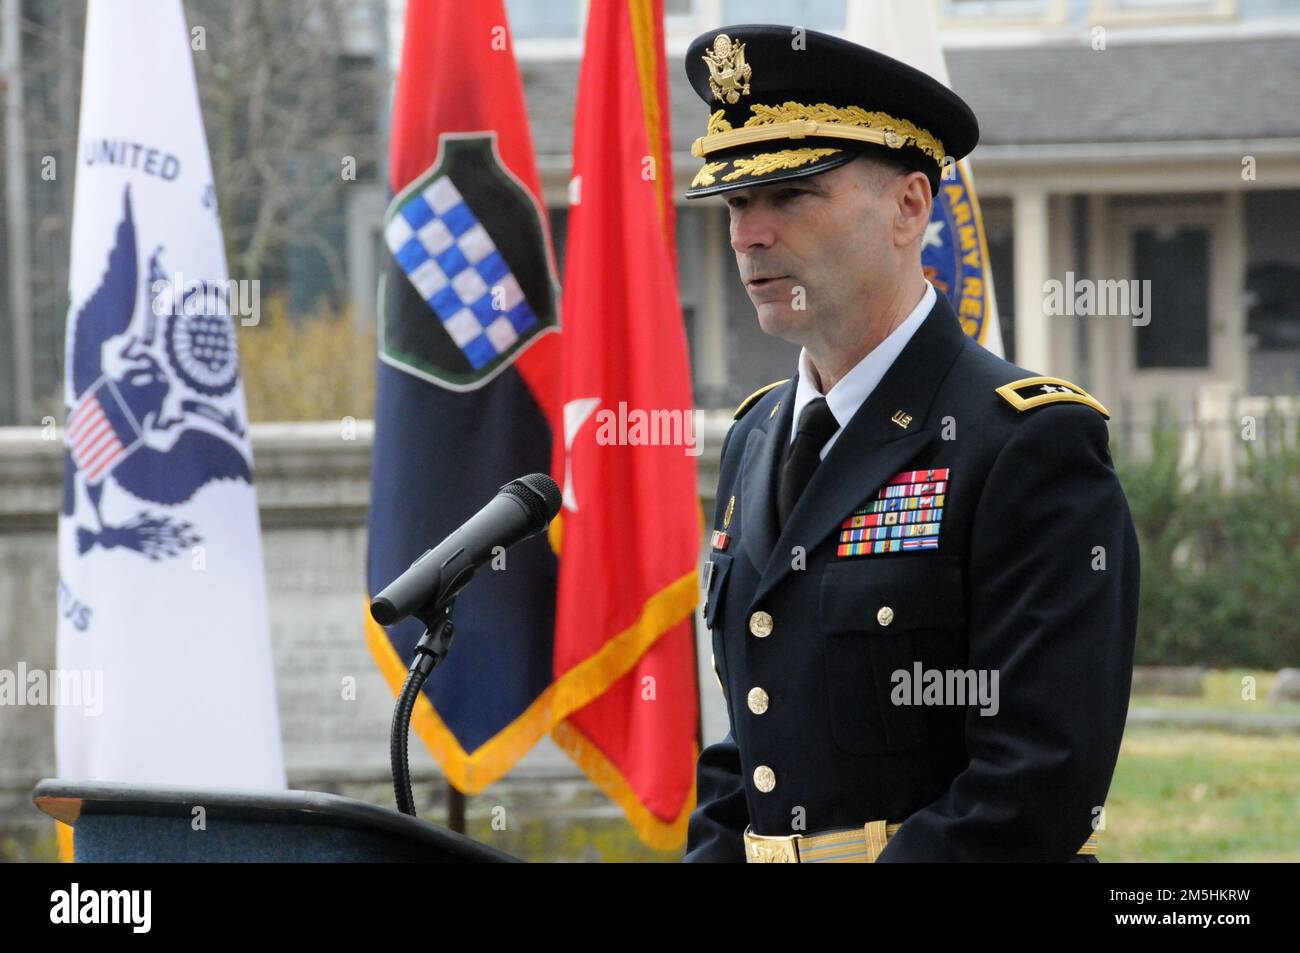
{"x":753,"y":399}
{"x":1030,"y":392}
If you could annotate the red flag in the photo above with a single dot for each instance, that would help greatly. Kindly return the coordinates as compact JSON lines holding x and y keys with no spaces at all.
{"x":628,"y":535}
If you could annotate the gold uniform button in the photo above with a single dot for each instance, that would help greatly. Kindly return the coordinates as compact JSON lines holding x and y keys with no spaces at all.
{"x":885,"y":615}
{"x":760,"y":624}
{"x":764,"y":778}
{"x":757,"y":701}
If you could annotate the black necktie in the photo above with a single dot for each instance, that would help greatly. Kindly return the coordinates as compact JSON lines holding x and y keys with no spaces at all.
{"x":816,"y":425}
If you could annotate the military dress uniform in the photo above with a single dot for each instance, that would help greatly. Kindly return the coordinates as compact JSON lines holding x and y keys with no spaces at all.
{"x":967,"y":518}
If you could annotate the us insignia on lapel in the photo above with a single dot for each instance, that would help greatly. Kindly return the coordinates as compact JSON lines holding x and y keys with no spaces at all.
{"x":904,"y":515}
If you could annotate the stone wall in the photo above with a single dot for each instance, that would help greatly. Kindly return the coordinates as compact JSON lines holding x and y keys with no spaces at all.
{"x":313,"y":489}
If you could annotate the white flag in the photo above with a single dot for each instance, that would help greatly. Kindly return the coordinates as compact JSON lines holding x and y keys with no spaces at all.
{"x":954,"y":253}
{"x":163,"y":630}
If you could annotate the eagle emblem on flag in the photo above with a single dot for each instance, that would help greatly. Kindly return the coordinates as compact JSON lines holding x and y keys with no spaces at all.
{"x":152,"y":411}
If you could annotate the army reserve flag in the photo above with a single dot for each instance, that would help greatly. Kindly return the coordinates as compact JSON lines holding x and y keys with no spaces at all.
{"x":629,"y":531}
{"x":162,"y":601}
{"x":954,"y":253}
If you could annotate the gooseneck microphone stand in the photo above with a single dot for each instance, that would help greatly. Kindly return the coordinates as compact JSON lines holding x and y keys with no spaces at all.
{"x":429,"y":652}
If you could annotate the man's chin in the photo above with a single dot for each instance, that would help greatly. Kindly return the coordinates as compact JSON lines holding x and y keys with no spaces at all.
{"x":780,"y":320}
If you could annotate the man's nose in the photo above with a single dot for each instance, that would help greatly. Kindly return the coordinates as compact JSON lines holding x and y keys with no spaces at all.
{"x":751,"y":229}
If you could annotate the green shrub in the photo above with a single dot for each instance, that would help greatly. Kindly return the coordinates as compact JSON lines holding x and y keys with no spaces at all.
{"x":314,"y":367}
{"x":1220,"y":566}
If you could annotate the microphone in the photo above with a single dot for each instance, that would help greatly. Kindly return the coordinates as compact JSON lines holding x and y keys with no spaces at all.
{"x":520,"y":510}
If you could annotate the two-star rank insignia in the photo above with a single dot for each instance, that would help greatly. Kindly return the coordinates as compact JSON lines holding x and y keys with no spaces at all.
{"x":904,"y":516}
{"x":1030,"y":392}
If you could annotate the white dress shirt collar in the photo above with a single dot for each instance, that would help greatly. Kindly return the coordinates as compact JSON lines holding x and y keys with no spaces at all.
{"x":852,"y":390}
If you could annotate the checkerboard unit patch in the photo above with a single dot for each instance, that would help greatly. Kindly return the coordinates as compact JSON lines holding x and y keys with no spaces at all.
{"x":455,"y":266}
{"x":903,"y":516}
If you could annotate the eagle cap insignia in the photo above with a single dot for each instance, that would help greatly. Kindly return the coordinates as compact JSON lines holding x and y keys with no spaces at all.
{"x":728,"y":72}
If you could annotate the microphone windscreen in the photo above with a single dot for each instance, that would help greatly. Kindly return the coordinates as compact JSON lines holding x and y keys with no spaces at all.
{"x":539,"y":494}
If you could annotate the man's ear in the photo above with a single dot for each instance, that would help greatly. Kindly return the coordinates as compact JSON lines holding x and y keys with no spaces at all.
{"x":913,"y":207}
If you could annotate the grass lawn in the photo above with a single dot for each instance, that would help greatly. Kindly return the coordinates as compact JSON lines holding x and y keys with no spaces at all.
{"x":1181,"y":795}
{"x":1222,"y":694}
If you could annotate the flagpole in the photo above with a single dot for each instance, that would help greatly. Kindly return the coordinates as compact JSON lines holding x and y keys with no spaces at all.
{"x":20,"y":299}
{"x":455,"y":809}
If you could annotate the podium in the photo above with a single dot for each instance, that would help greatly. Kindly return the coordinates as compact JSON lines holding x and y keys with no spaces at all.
{"x":116,"y":822}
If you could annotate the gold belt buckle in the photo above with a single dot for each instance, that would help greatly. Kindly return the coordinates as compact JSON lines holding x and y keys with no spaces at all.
{"x":771,"y":848}
{"x":784,"y":848}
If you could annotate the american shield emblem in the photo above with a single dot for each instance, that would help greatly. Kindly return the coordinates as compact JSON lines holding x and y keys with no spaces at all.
{"x":470,"y":282}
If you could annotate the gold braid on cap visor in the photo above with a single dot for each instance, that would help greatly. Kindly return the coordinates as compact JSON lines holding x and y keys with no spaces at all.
{"x":799,"y":121}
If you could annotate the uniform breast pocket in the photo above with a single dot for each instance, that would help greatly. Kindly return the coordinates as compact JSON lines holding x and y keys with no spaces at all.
{"x":879,"y":617}
{"x":715,"y":581}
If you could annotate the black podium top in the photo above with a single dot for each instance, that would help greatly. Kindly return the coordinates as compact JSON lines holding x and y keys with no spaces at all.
{"x":124,"y":821}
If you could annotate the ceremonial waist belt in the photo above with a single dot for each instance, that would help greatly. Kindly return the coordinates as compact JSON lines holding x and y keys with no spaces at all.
{"x":852,"y":845}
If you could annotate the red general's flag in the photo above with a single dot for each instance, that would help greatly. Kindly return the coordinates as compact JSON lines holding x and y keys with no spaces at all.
{"x":628,"y":534}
